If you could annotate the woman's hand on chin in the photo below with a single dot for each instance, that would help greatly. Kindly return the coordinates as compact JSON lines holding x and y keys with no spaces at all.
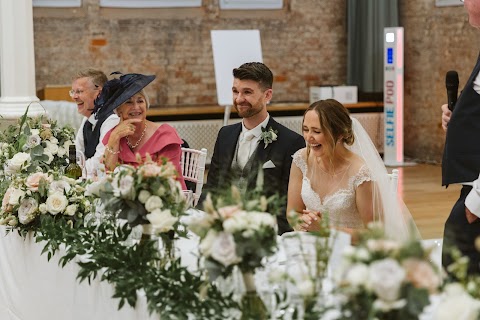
{"x":125,"y":128}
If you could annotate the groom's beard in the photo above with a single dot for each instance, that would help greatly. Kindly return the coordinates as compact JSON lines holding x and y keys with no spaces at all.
{"x":247,"y":110}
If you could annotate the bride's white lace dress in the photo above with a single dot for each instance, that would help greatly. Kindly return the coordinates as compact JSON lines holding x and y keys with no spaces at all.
{"x":338,"y":204}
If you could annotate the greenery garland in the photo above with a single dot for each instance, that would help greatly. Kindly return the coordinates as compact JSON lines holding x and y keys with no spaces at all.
{"x":172,"y":292}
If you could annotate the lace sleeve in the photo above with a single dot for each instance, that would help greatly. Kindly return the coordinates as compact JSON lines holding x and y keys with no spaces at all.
{"x":299,"y":161}
{"x":362,"y":175}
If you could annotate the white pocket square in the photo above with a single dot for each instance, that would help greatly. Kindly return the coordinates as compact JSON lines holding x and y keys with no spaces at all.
{"x":268,"y":165}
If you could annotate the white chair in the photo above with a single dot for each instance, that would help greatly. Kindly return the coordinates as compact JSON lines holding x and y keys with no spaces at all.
{"x":193,"y":169}
{"x":394,"y":179}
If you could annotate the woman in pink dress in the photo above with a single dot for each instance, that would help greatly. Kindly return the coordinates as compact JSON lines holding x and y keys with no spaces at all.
{"x":135,"y":136}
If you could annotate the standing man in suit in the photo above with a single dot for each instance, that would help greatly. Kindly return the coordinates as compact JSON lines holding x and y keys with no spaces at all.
{"x":240,"y":149}
{"x":86,"y":87}
{"x":461,"y":164}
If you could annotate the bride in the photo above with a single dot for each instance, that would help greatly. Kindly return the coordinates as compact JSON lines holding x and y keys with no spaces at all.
{"x":340,"y":177}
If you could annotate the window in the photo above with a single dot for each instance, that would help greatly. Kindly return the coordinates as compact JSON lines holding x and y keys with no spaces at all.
{"x":446,"y":3}
{"x":150,"y":3}
{"x":57,"y":3}
{"x":251,"y":4}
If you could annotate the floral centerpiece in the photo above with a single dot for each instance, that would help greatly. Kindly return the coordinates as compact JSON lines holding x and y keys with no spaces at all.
{"x":299,"y":282}
{"x":30,"y":196}
{"x":385,"y":279}
{"x":148,"y":195}
{"x":34,"y":143}
{"x":460,"y":298}
{"x":236,"y":232}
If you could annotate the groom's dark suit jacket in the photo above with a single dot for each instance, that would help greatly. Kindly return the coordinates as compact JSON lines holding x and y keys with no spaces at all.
{"x":275,"y":179}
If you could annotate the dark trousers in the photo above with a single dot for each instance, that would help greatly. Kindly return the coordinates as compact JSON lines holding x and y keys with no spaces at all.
{"x":460,"y":234}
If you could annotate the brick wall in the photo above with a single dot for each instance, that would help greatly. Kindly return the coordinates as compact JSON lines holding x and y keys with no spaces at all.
{"x":304,"y":44}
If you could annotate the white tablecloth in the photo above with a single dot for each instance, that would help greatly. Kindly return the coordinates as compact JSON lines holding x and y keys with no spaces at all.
{"x":33,"y":288}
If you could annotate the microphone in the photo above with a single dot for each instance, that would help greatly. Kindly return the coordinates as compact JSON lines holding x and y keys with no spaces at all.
{"x":451,"y":82}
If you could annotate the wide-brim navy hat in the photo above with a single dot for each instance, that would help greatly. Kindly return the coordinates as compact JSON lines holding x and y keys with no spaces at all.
{"x":116,"y":91}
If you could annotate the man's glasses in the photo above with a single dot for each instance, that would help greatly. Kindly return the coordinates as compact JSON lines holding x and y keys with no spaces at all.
{"x":72,"y":92}
{"x":75,"y":92}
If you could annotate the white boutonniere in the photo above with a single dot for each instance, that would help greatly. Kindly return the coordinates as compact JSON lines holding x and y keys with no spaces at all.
{"x":268,"y":136}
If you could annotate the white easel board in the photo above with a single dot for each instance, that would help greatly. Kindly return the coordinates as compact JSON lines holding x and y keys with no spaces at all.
{"x":232,"y":48}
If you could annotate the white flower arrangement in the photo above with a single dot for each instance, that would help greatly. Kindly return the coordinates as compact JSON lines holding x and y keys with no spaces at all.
{"x":149,"y":195}
{"x":381,"y":278}
{"x":35,"y":144}
{"x":234,"y":232}
{"x":30,"y":196}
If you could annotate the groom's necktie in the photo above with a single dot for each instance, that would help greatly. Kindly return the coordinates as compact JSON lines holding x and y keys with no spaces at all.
{"x":244,"y":146}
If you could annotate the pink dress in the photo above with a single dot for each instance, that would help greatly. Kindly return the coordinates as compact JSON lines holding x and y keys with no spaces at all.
{"x":164,"y":142}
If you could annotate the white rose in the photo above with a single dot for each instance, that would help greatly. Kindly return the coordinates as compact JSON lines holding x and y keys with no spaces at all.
{"x":199,"y":223}
{"x":19,"y":161}
{"x":123,"y":187}
{"x":152,"y":203}
{"x":162,"y":220}
{"x":385,"y":278}
{"x":42,"y":208}
{"x":15,"y":196}
{"x":51,"y":147}
{"x":143,"y":196}
{"x":35,"y":132}
{"x":237,"y":222}
{"x":53,"y":140}
{"x":94,"y":188}
{"x":357,"y":275}
{"x":362,"y":254}
{"x":349,"y":252}
{"x":27,"y":209}
{"x":457,"y":304}
{"x":206,"y":244}
{"x":56,"y":203}
{"x":305,"y":288}
{"x":61,"y":151}
{"x":49,"y":155}
{"x":59,"y":186}
{"x":33,"y":141}
{"x":264,"y":219}
{"x":71,"y":210}
{"x":224,"y":250}
{"x":67,"y":144}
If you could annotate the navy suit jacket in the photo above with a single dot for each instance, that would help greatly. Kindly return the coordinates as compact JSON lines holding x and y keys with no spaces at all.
{"x":280,"y":152}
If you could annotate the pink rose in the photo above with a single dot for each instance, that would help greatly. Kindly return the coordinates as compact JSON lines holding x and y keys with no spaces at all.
{"x":33,"y":181}
{"x":421,"y":274}
{"x":6,"y":198}
{"x":150,"y":170}
{"x":228,"y":211}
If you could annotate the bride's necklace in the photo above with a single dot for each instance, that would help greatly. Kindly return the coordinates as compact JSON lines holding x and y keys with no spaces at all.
{"x":133,"y":146}
{"x":332,"y":183}
{"x":318,"y":160}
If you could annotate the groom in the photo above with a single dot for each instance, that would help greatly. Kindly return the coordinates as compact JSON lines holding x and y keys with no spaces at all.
{"x":241,"y":149}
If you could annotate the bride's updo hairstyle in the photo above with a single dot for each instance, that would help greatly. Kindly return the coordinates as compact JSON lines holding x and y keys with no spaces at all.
{"x":335,"y":122}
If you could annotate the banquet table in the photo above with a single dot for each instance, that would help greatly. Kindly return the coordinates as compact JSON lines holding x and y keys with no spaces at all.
{"x":33,"y":288}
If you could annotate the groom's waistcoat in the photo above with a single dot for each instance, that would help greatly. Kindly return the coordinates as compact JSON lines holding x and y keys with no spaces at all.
{"x":461,"y":156}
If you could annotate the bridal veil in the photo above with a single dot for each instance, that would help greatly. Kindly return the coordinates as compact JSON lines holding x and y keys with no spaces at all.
{"x":388,"y":207}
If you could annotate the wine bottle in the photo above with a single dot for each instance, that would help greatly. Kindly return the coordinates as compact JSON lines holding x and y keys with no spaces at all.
{"x":73,"y":170}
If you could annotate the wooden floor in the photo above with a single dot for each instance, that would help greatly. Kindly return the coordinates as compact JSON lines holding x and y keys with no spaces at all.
{"x":428,"y":201}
